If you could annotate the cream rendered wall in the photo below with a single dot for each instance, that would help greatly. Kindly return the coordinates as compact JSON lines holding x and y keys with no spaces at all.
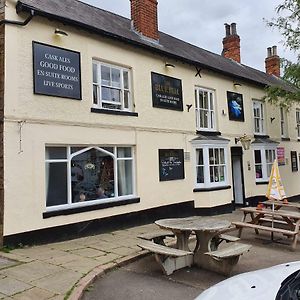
{"x":52,"y":120}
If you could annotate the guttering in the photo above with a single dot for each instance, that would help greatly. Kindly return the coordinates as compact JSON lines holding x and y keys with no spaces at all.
{"x":19,"y":23}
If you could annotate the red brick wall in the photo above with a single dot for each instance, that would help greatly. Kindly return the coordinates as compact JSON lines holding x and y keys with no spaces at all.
{"x":144,"y":17}
{"x":2,"y":17}
{"x":231,"y":47}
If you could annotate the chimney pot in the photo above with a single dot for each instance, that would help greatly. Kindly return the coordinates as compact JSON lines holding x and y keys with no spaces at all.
{"x":272,"y":62}
{"x":269,"y":51}
{"x":274,"y":50}
{"x":233,"y":29}
{"x":227,"y":29}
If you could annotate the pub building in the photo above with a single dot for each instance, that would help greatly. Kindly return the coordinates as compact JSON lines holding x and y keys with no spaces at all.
{"x":108,"y":122}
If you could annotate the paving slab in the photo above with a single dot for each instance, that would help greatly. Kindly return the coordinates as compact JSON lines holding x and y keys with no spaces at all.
{"x":88,"y":252}
{"x":31,"y":271}
{"x":59,"y":283}
{"x":60,"y":260}
{"x":68,"y":245}
{"x":6,"y":263}
{"x":11,"y":286}
{"x":123,"y":251}
{"x":34,"y":294}
{"x":82,"y":265}
{"x":110,"y":257}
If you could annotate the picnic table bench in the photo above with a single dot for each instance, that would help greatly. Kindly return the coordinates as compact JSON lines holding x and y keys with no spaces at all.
{"x":157,"y":236}
{"x":289,"y":219}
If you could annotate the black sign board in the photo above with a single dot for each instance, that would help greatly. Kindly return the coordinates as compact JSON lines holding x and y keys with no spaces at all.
{"x":171,"y":164}
{"x":294,"y":161}
{"x":56,"y":71}
{"x":166,"y":92}
{"x":235,"y":106}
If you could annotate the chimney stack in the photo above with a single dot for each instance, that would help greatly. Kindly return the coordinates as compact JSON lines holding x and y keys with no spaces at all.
{"x":144,"y":18}
{"x":231,"y":43}
{"x":272,"y":62}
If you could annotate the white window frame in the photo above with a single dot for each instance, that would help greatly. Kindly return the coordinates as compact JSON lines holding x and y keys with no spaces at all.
{"x":68,"y":160}
{"x":260,"y":106}
{"x":210,"y":112}
{"x":98,"y":85}
{"x":264,"y":163}
{"x":283,"y":123}
{"x":298,"y":122}
{"x":206,"y":145}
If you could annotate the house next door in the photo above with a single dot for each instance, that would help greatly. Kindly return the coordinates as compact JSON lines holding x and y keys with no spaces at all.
{"x":237,"y":175}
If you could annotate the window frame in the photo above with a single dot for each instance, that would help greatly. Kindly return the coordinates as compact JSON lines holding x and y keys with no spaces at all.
{"x":264,"y":163}
{"x":206,"y":146}
{"x":259,"y":104}
{"x":211,"y":121}
{"x":283,"y":123}
{"x":122,"y":89}
{"x":298,"y":122}
{"x":68,"y":160}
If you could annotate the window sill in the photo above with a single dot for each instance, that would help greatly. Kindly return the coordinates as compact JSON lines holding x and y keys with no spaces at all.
{"x":261,"y":136}
{"x":262,"y":182}
{"x":76,"y":210}
{"x":217,"y":188}
{"x":114,"y":112}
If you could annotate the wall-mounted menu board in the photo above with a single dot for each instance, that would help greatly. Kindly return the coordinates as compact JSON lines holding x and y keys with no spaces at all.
{"x":171,"y":164}
{"x":56,"y":71}
{"x":166,"y":92}
{"x":294,"y":161}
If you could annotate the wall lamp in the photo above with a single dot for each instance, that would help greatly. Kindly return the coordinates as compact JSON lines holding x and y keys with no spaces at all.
{"x":169,"y":65}
{"x":245,"y":141}
{"x":60,"y":32}
{"x":237,"y":85}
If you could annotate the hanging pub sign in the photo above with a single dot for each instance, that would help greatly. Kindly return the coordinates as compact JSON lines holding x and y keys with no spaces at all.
{"x":294,"y":161}
{"x":171,"y":164}
{"x":235,"y":106}
{"x":280,"y":156}
{"x":166,"y":92}
{"x":56,"y":71}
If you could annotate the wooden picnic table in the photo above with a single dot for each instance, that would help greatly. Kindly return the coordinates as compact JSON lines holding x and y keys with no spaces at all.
{"x":280,"y":204}
{"x":207,"y":230}
{"x":274,"y":219}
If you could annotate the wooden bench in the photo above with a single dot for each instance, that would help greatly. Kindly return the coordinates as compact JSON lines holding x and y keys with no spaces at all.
{"x":169,"y":259}
{"x":156,"y":236}
{"x":286,"y":232}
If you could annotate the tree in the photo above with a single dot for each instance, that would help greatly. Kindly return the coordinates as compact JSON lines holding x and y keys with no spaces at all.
{"x":288,"y":23}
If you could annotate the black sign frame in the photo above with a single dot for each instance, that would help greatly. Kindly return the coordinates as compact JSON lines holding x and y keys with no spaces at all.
{"x":235,"y":106}
{"x":39,"y":90}
{"x":164,"y":99}
{"x":294,"y":161}
{"x":171,"y":164}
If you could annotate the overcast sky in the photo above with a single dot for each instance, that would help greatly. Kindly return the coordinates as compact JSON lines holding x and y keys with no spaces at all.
{"x":201,"y":22}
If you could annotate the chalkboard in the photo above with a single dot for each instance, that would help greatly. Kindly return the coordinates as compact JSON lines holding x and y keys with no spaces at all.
{"x":166,"y":92}
{"x":171,"y":164}
{"x":294,"y":161}
{"x":56,"y":71}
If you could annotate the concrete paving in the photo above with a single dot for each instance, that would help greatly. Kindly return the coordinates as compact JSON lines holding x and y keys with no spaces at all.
{"x":64,"y":270}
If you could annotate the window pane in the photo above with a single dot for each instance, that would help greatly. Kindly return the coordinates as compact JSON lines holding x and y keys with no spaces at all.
{"x":257,"y":156}
{"x":258,"y":171}
{"x":124,"y":152}
{"x":222,"y":156}
{"x":216,"y":173}
{"x":126,"y":79}
{"x":201,"y":100}
{"x":111,"y":106}
{"x":95,"y":94}
{"x":105,"y":75}
{"x":110,"y":94}
{"x":125,"y":186}
{"x":222,"y":173}
{"x":205,"y":100}
{"x":269,"y":168}
{"x":56,"y":184}
{"x":211,"y":174}
{"x":92,"y":176}
{"x":200,"y":174}
{"x":56,"y":152}
{"x":126,"y":99}
{"x":211,"y":101}
{"x":76,"y":149}
{"x":217,"y":157}
{"x":200,"y":156}
{"x":95,"y":73}
{"x":116,"y":77}
{"x":211,"y":156}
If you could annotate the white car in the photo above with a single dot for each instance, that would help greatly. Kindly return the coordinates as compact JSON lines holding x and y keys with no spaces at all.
{"x":281,"y":282}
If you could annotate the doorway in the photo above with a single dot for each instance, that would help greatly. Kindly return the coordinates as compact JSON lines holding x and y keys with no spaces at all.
{"x":238,"y":175}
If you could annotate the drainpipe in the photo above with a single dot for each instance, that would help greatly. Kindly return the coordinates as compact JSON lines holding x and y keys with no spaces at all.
{"x":20,"y":23}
